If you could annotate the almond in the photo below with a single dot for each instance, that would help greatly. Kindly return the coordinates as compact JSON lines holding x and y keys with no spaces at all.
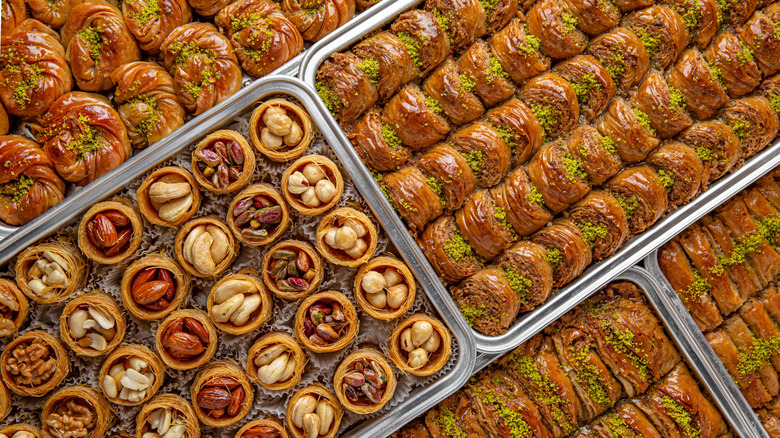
{"x":149,"y":292}
{"x":261,"y":432}
{"x":103,"y":232}
{"x":236,"y":401}
{"x":197,"y":329}
{"x":223,"y":382}
{"x":213,"y":398}
{"x":184,"y":345}
{"x":175,"y":326}
{"x":165,"y":275}
{"x":145,"y":275}
{"x":117,"y":218}
{"x":121,"y":242}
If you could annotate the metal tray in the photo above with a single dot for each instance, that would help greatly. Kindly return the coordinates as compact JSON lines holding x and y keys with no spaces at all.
{"x":596,"y":276}
{"x":654,"y":270}
{"x":421,"y":399}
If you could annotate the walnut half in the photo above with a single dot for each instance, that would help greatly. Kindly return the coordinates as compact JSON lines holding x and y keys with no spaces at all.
{"x":32,"y":364}
{"x":70,"y":420}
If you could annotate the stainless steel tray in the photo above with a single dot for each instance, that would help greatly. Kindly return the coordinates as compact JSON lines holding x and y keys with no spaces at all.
{"x":421,"y":399}
{"x":725,"y":380}
{"x":596,"y":276}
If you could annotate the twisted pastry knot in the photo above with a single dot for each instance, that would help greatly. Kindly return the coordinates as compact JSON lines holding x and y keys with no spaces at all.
{"x":29,"y":185}
{"x":203,"y":65}
{"x":14,"y":12}
{"x":150,"y":21}
{"x":33,"y":69}
{"x":263,"y":37}
{"x":52,"y":13}
{"x":84,"y":137}
{"x":317,"y":18}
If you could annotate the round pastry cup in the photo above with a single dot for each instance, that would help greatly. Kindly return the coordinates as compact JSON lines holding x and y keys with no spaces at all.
{"x":332,"y":174}
{"x":104,"y":416}
{"x":125,"y":207}
{"x":347,"y":365}
{"x":99,"y":300}
{"x":77,"y":269}
{"x":5,"y":401}
{"x":320,"y":393}
{"x":436,"y":361}
{"x":316,"y":262}
{"x":11,"y":429}
{"x":201,"y":359}
{"x":180,"y":277}
{"x":222,"y":368}
{"x":380,"y":264}
{"x":268,"y":191}
{"x":59,"y":353}
{"x":347,"y":336}
{"x":184,"y":231}
{"x":142,"y":352}
{"x":172,"y":402}
{"x":10,"y":290}
{"x":298,"y":114}
{"x":249,"y":162}
{"x":285,"y":340}
{"x":258,"y":317}
{"x":260,"y":423}
{"x":337,"y":218}
{"x":145,"y":203}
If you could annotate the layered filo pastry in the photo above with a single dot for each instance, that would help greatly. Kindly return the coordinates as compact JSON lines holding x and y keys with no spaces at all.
{"x":150,"y":22}
{"x":314,"y":20}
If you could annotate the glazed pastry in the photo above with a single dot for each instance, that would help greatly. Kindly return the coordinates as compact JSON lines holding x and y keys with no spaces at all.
{"x":486,"y":152}
{"x":208,"y":8}
{"x":662,"y":31}
{"x":314,"y":412}
{"x":594,"y":17}
{"x":641,"y":193}
{"x":763,"y":257}
{"x":466,"y":20}
{"x":417,"y":120}
{"x":78,"y":411}
{"x":221,"y":394}
{"x":29,"y":185}
{"x":34,"y":363}
{"x":568,"y":250}
{"x":377,"y":143}
{"x":522,"y":203}
{"x":681,"y":170}
{"x":316,"y":19}
{"x":223,"y":162}
{"x":603,"y":221}
{"x":364,"y":382}
{"x":262,"y":36}
{"x":51,"y":272}
{"x":205,"y":247}
{"x":624,"y":56}
{"x":97,"y":42}
{"x":312,"y":185}
{"x":203,"y":65}
{"x":453,"y":415}
{"x":110,"y":231}
{"x":281,"y":130}
{"x":487,"y":301}
{"x":626,"y":413}
{"x":553,"y":102}
{"x":663,"y":105}
{"x":347,"y":86}
{"x":451,"y":255}
{"x":21,"y":430}
{"x":702,"y":19}
{"x":362,"y":5}
{"x":515,"y":120}
{"x":448,"y":173}
{"x":453,"y":93}
{"x":753,"y":121}
{"x":591,"y":82}
{"x":326,"y":322}
{"x":556,"y":29}
{"x":276,"y":361}
{"x":84,"y":137}
{"x":346,"y":237}
{"x":384,"y":288}
{"x":598,"y":154}
{"x":258,"y":215}
{"x":151,"y":22}
{"x":13,"y":13}
{"x":518,"y":52}
{"x":260,"y":427}
{"x":53,"y":14}
{"x":150,"y":110}
{"x":491,"y":83}
{"x":426,"y":41}
{"x":559,"y":177}
{"x":5,"y":124}
{"x":702,"y":91}
{"x":736,"y":13}
{"x":186,"y":339}
{"x":628,"y":130}
{"x":169,"y":197}
{"x":292,"y":269}
{"x":744,"y":277}
{"x":239,"y":304}
{"x":13,"y":310}
{"x":484,"y":225}
{"x":529,"y":272}
{"x":393,"y":62}
{"x":93,"y":324}
{"x":499,"y":13}
{"x":416,"y":198}
{"x":154,"y":286}
{"x":153,"y":417}
{"x":759,"y":35}
{"x":131,"y":375}
{"x":770,"y":89}
{"x":33,"y":69}
{"x":420,"y":345}
{"x":733,"y":63}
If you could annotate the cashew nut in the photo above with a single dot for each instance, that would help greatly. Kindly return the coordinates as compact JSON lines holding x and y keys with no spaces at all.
{"x":173,"y":210}
{"x":189,"y":242}
{"x":202,"y":259}
{"x":325,"y":412}
{"x":272,"y":373}
{"x":231,"y":287}
{"x":219,"y":244}
{"x":250,"y":304}
{"x":223,"y":312}
{"x":268,"y":354}
{"x":305,"y":405}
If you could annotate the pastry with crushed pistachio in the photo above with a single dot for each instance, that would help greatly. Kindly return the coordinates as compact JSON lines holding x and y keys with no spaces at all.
{"x":150,"y":21}
{"x":568,"y":250}
{"x":662,"y":31}
{"x":558,"y":176}
{"x":453,"y":93}
{"x":623,"y":55}
{"x":753,"y":121}
{"x":664,"y":105}
{"x":554,"y":103}
{"x":451,"y":255}
{"x":642,"y":194}
{"x":316,"y":19}
{"x":592,"y":84}
{"x":556,"y":28}
{"x":416,"y":118}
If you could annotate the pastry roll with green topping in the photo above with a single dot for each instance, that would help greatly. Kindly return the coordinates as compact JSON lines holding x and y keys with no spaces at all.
{"x":748,"y":383}
{"x":715,"y":144}
{"x":567,"y":250}
{"x":753,"y":121}
{"x":377,"y":143}
{"x":642,"y":194}
{"x":591,"y":82}
{"x":465,"y":20}
{"x":315,"y":19}
{"x":664,"y":105}
{"x":451,"y":255}
{"x":518,"y":52}
{"x":628,"y":130}
{"x":150,"y":21}
{"x":744,"y":278}
{"x":556,"y":29}
{"x":701,"y":89}
{"x":760,"y":322}
{"x":416,"y":118}
{"x":529,"y":272}
{"x":53,"y":13}
{"x":386,"y":54}
{"x":594,"y":17}
{"x":681,"y":171}
{"x":770,"y":89}
{"x":14,"y":12}
{"x":734,"y":13}
{"x":520,"y":129}
{"x":455,"y":416}
{"x":426,"y":41}
{"x":415,"y":200}
{"x":522,"y":202}
{"x":499,"y":13}
{"x":749,"y":241}
{"x":597,"y":153}
{"x":763,"y":211}
{"x":554,"y":103}
{"x":345,"y":86}
{"x":623,"y":55}
{"x":701,"y":18}
{"x":559,"y":177}
{"x":484,"y":225}
{"x":449,"y":173}
{"x":453,"y":92}
{"x":626,"y":420}
{"x":603,"y":222}
{"x":770,"y":299}
{"x":487,"y":301}
{"x":485,"y":150}
{"x":732,"y":62}
{"x":662,"y":31}
{"x":760,"y":35}
{"x":491,"y":83}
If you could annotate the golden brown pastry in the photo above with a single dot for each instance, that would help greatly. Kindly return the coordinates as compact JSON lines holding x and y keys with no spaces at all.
{"x":93,"y":324}
{"x":447,"y":250}
{"x":716,"y":145}
{"x":598,"y":154}
{"x":131,"y":375}
{"x":466,"y":20}
{"x":13,"y":308}
{"x":51,"y":272}
{"x":21,"y":428}
{"x":518,"y":52}
{"x":491,"y":83}
{"x":700,"y":86}
{"x":223,"y":162}
{"x":153,"y":417}
{"x":641,"y":193}
{"x":624,"y":56}
{"x":416,"y":198}
{"x":559,"y":177}
{"x":347,"y":85}
{"x":292,"y":269}
{"x":239,"y":304}
{"x":394,"y":65}
{"x":487,"y":301}
{"x":426,"y":41}
{"x":258,"y":215}
{"x":205,"y":247}
{"x":257,"y":428}
{"x":662,"y":31}
{"x":759,"y":36}
{"x":376,"y":142}
{"x":554,"y":102}
{"x":110,"y":231}
{"x":169,"y":196}
{"x":150,"y":21}
{"x":281,"y":130}
{"x":315,"y":19}
{"x":733,"y":63}
{"x":592,"y":84}
{"x":154,"y":286}
{"x":415,"y":119}
{"x":146,"y":102}
{"x":568,"y":250}
{"x":326,"y":322}
{"x":221,"y":393}
{"x":522,"y":203}
{"x":97,"y":42}
{"x":186,"y":339}
{"x":453,"y":93}
{"x":484,"y":225}
{"x":556,"y":29}
{"x":447,"y":172}
{"x":76,"y":411}
{"x":5,"y":123}
{"x":628,"y":130}
{"x":314,"y":411}
{"x":14,"y":12}
{"x":34,"y":363}
{"x":702,"y":18}
{"x":663,"y":105}
{"x":602,"y":220}
{"x":203,"y":65}
{"x":681,"y":170}
{"x":420,"y":345}
{"x":276,"y":361}
{"x":364,"y":381}
{"x":753,"y":121}
{"x":594,"y":17}
{"x":529,"y":272}
{"x":346,"y":237}
{"x":52,"y":13}
{"x":84,"y":137}
{"x":208,"y":8}
{"x":384,"y":288}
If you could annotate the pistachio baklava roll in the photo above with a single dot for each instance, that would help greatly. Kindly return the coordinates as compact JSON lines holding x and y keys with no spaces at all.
{"x":111,"y":231}
{"x":559,"y":177}
{"x":52,"y":271}
{"x":663,"y":105}
{"x":223,"y":162}
{"x":522,"y":203}
{"x":681,"y":171}
{"x":592,"y":84}
{"x":186,"y":339}
{"x":14,"y":12}
{"x":150,"y":24}
{"x":169,"y":197}
{"x":377,"y":143}
{"x":515,"y":121}
{"x":597,"y":153}
{"x":276,"y":361}
{"x":416,"y":119}
{"x":556,"y":29}
{"x":364,"y":381}
{"x":167,"y":413}
{"x":312,"y":185}
{"x":393,"y":61}
{"x":466,"y":20}
{"x":662,"y":31}
{"x":641,"y":193}
{"x":734,"y":14}
{"x":594,"y":18}
{"x":448,"y":174}
{"x":384,"y":288}
{"x":239,"y":303}
{"x":553,"y":102}
{"x":346,"y":237}
{"x":314,"y":412}
{"x":92,"y":324}
{"x":281,"y":130}
{"x":453,"y":93}
{"x":221,"y":393}
{"x":326,"y":322}
{"x":487,"y":301}
{"x":416,"y":198}
{"x":258,"y":215}
{"x":628,"y":130}
{"x":34,"y":363}
{"x":527,"y":268}
{"x":261,"y":428}
{"x":486,"y":152}
{"x":76,"y":411}
{"x":753,"y":121}
{"x":484,"y":225}
{"x":154,"y":286}
{"x":426,"y":41}
{"x":292,"y":269}
{"x":205,"y":247}
{"x":567,"y":250}
{"x":518,"y":52}
{"x":346,"y":87}
{"x":602,"y":220}
{"x":131,"y":375}
{"x":700,"y":86}
{"x":315,"y":20}
{"x":491,"y":83}
{"x":13,"y":308}
{"x":733,"y":63}
{"x":451,"y":255}
{"x":420,"y":345}
{"x":624,"y":56}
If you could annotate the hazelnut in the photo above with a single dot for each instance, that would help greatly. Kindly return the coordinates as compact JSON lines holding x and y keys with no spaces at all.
{"x":421,"y":331}
{"x":309,"y":198}
{"x":358,"y":250}
{"x":359,"y":228}
{"x":313,"y":173}
{"x":270,"y":140}
{"x":330,"y":237}
{"x":417,"y":358}
{"x":392,"y":277}
{"x":297,"y":183}
{"x":295,"y":135}
{"x":396,"y":295}
{"x":277,"y":121}
{"x":378,"y":300}
{"x":373,"y":282}
{"x":345,"y":238}
{"x":325,"y":190}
